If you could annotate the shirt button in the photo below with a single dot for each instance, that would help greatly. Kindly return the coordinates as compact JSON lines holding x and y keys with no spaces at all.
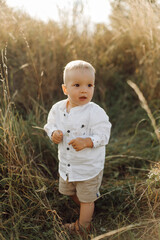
{"x":68,"y":131}
{"x":69,"y":165}
{"x":67,"y":148}
{"x":64,"y":114}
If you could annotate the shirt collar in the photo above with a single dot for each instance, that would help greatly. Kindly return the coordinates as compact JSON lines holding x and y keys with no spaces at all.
{"x":74,"y":109}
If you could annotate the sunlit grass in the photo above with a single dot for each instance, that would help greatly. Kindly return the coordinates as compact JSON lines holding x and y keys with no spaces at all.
{"x":33,"y":55}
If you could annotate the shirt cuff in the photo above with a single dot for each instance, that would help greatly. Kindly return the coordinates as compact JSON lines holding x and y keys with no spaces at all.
{"x":96,"y":141}
{"x":50,"y":131}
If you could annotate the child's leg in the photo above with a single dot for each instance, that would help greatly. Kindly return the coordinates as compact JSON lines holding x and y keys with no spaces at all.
{"x":86,"y":213}
{"x":75,"y":199}
{"x":85,"y":218}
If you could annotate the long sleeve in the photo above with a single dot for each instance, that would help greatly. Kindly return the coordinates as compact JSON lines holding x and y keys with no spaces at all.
{"x":100,"y":128}
{"x":50,"y":126}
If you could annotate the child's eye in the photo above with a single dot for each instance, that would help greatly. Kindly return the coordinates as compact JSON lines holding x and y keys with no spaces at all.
{"x":90,"y":85}
{"x":76,"y":85}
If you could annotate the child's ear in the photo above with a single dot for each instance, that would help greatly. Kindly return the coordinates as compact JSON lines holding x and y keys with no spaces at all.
{"x":64,"y":88}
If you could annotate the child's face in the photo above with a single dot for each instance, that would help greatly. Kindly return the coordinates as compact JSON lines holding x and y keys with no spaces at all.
{"x":79,"y":87}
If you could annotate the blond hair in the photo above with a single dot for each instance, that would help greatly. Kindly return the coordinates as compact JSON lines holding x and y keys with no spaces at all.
{"x":78,"y":65}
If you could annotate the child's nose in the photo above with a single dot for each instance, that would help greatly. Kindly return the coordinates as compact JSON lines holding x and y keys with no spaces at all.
{"x":84,"y":90}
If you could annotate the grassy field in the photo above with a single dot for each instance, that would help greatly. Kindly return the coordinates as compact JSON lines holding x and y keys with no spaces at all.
{"x":126,"y":58}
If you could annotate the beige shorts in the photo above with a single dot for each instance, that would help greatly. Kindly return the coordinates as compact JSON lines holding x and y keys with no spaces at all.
{"x":86,"y":191}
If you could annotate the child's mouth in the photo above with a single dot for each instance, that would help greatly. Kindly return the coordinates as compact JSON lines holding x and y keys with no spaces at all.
{"x":83,"y":98}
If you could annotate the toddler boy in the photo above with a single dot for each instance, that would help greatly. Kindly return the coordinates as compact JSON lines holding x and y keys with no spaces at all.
{"x":81,"y":129}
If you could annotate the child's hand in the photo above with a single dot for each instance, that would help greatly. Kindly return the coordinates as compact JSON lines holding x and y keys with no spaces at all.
{"x":57,"y":136}
{"x":80,"y":143}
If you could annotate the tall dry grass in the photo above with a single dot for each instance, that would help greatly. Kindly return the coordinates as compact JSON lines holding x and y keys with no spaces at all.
{"x":145,"y":106}
{"x":38,"y":52}
{"x":137,"y":41}
{"x":33,"y":57}
{"x":25,"y":179}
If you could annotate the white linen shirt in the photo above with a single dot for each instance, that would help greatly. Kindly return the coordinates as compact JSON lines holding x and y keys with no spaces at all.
{"x":88,"y":120}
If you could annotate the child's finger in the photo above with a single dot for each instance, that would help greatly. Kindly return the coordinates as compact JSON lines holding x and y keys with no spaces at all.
{"x":71,"y":142}
{"x":57,"y":138}
{"x":56,"y":134}
{"x":60,"y":132}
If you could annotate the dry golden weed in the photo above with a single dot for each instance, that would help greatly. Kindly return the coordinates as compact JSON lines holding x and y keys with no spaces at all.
{"x":145,"y":107}
{"x":111,"y":233}
{"x":136,"y":32}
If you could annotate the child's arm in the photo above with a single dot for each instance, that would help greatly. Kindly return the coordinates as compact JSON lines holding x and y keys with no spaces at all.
{"x":80,"y":143}
{"x":100,"y":128}
{"x":51,"y":126}
{"x":57,"y":136}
